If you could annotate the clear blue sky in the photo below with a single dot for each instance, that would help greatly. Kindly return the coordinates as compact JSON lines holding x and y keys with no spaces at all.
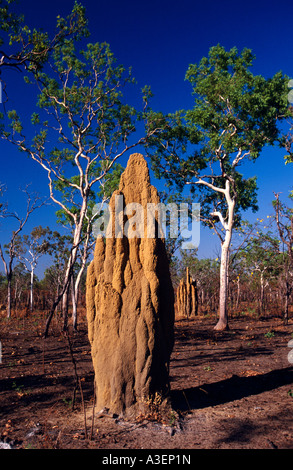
{"x":159,"y":39}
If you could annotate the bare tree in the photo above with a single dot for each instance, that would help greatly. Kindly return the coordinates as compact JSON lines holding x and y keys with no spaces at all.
{"x":33,"y":247}
{"x":284,"y":221}
{"x":13,"y":248}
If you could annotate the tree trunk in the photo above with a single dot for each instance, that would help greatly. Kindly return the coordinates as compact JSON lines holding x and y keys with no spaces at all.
{"x":66,"y":283}
{"x":76,"y":284}
{"x":71,"y":262}
{"x":65,"y":307}
{"x":286,"y":312}
{"x":31,"y":291}
{"x":223,"y":313}
{"x":74,"y":304}
{"x":224,"y":267}
{"x":57,"y":301}
{"x":262,"y":291}
{"x":9,"y":297}
{"x":287,"y":296}
{"x":238,"y":293}
{"x":75,"y":287}
{"x":65,"y":295}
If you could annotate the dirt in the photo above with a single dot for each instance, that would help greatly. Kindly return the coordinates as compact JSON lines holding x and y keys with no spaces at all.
{"x":230,"y":390}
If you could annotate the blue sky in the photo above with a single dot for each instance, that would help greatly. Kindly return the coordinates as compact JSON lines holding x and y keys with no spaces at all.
{"x":159,"y":39}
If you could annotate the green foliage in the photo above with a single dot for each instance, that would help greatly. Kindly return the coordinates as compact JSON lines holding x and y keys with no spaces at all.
{"x":261,"y":255}
{"x":80,"y":98}
{"x":3,"y":280}
{"x":37,"y":243}
{"x":30,"y":48}
{"x":269,"y":334}
{"x":235,"y":114}
{"x":14,"y":248}
{"x":9,"y":21}
{"x":85,"y":95}
{"x":233,"y":108}
{"x":81,"y":108}
{"x":205,"y":271}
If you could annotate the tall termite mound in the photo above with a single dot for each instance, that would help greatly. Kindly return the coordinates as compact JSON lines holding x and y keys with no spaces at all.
{"x":186,"y":297}
{"x":130,"y":302}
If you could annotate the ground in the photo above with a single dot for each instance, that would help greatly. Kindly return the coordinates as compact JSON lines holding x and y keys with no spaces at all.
{"x":229,"y":390}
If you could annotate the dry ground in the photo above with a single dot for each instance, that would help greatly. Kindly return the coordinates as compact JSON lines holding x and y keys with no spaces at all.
{"x":230,"y":390}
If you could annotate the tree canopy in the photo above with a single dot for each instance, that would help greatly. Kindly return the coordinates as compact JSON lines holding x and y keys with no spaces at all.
{"x":235,"y":114}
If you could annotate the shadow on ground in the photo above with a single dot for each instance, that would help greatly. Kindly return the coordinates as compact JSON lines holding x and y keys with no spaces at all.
{"x":228,"y":390}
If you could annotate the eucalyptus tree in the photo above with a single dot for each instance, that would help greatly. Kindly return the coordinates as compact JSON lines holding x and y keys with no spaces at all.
{"x":33,"y":247}
{"x":261,"y":259}
{"x":14,"y":248}
{"x":284,"y":222}
{"x":235,"y":114}
{"x":59,"y":251}
{"x":85,"y":248}
{"x":83,"y":126}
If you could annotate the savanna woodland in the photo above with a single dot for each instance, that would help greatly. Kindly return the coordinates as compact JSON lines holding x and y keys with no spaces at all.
{"x":223,"y":351}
